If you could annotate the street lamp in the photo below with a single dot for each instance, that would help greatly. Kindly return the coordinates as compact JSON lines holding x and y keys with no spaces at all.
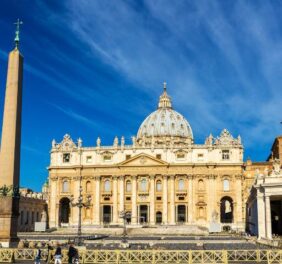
{"x":124,"y":215}
{"x":80,"y":204}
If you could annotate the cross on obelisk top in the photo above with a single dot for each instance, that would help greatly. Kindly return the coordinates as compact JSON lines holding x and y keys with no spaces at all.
{"x":17,"y":37}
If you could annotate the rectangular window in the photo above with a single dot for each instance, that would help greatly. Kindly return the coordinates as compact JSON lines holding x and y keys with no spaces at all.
{"x":200,"y":157}
{"x":107,"y":158}
{"x":88,"y":159}
{"x":159,"y":198}
{"x":180,"y":156}
{"x":181,"y":198}
{"x":107,"y":199}
{"x":158,"y":156}
{"x":128,"y":198}
{"x":66,"y":157}
{"x":225,"y":154}
{"x":127,"y":157}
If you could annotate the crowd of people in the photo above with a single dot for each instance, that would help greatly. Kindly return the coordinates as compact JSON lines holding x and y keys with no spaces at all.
{"x":73,"y":257}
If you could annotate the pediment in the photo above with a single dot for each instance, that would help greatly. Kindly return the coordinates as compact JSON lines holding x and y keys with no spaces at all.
{"x":143,"y":160}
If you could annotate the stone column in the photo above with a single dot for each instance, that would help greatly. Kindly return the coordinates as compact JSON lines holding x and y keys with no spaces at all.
{"x":239,"y":196}
{"x":134,"y":200}
{"x":97,"y":201}
{"x":152,"y":199}
{"x":172,"y":201}
{"x":164,"y":215}
{"x":261,"y":215}
{"x":121,"y":196}
{"x":209,"y":198}
{"x":75,"y":191}
{"x":53,"y":211}
{"x":268,"y":217}
{"x":115,"y":200}
{"x":190,"y":199}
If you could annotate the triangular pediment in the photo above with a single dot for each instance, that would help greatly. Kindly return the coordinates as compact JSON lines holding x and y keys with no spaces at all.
{"x":143,"y":159}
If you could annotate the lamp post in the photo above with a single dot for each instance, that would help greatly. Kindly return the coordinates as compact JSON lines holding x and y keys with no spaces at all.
{"x":80,"y":204}
{"x":124,"y":215}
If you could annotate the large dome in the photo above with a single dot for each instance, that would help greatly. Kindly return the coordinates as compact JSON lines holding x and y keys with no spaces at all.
{"x":165,"y":122}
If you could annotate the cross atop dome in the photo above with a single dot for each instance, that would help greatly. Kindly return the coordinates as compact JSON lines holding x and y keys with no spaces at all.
{"x":165,"y":101}
{"x":17,"y":33}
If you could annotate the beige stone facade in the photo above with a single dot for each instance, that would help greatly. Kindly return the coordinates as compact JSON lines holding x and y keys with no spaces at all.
{"x":32,"y":209}
{"x":162,"y":178}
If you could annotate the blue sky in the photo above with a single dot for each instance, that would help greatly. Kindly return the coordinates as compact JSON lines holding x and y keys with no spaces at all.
{"x":96,"y":68}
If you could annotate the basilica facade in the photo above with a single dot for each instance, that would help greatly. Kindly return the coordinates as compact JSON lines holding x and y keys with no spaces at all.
{"x":161,"y":179}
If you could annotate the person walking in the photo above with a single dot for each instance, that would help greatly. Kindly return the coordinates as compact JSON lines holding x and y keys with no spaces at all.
{"x":37,"y":256}
{"x":72,"y":254}
{"x":58,"y":255}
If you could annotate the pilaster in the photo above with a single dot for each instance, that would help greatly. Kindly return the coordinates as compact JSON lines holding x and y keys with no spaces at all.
{"x":152,"y":199}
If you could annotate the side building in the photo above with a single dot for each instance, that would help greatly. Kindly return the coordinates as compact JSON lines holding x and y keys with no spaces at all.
{"x":163,"y":178}
{"x":32,"y":209}
{"x":264,"y":204}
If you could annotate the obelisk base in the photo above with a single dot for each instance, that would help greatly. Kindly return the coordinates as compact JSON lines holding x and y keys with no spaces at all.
{"x":9,"y":208}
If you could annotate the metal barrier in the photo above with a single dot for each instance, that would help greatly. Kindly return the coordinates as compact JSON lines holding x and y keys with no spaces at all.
{"x":151,"y":256}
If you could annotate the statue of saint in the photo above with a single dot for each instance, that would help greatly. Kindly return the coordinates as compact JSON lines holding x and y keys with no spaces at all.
{"x":133,"y":141}
{"x":116,"y":141}
{"x":122,"y":141}
{"x":227,"y":207}
{"x":98,"y":142}
{"x":53,"y":143}
{"x":79,"y":143}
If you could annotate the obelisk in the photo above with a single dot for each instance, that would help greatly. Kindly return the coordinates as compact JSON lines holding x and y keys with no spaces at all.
{"x":10,"y":147}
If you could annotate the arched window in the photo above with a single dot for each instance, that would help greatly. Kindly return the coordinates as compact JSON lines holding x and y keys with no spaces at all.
{"x":226,"y":185}
{"x":128,"y":186}
{"x":88,"y":186}
{"x":65,"y":187}
{"x":201,"y":185}
{"x":107,"y":186}
{"x":159,"y":186}
{"x":181,"y":185}
{"x":143,"y":185}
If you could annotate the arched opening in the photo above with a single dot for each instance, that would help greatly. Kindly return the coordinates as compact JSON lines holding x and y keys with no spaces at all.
{"x":107,"y":186}
{"x":107,"y":214}
{"x":201,"y":185}
{"x":143,"y":185}
{"x":159,"y":217}
{"x":143,"y":213}
{"x":226,"y":185}
{"x":88,"y":186}
{"x":64,"y":211}
{"x":226,"y":210}
{"x":181,"y":213}
{"x":159,"y":186}
{"x":65,"y":186}
{"x":181,"y":185}
{"x":128,"y":186}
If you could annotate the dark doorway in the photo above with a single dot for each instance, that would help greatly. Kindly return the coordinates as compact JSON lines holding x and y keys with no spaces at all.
{"x":226,"y":210}
{"x":107,"y":214}
{"x":143,"y":214}
{"x":159,"y":217}
{"x":276,"y":217}
{"x":181,"y":213}
{"x":64,"y":211}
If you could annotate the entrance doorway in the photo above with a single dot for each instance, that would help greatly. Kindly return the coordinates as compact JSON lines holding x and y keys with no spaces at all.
{"x":276,"y":216}
{"x":64,"y":211}
{"x":159,"y":217}
{"x":107,"y":214}
{"x":143,"y":214}
{"x":181,"y":214}
{"x":226,"y":210}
